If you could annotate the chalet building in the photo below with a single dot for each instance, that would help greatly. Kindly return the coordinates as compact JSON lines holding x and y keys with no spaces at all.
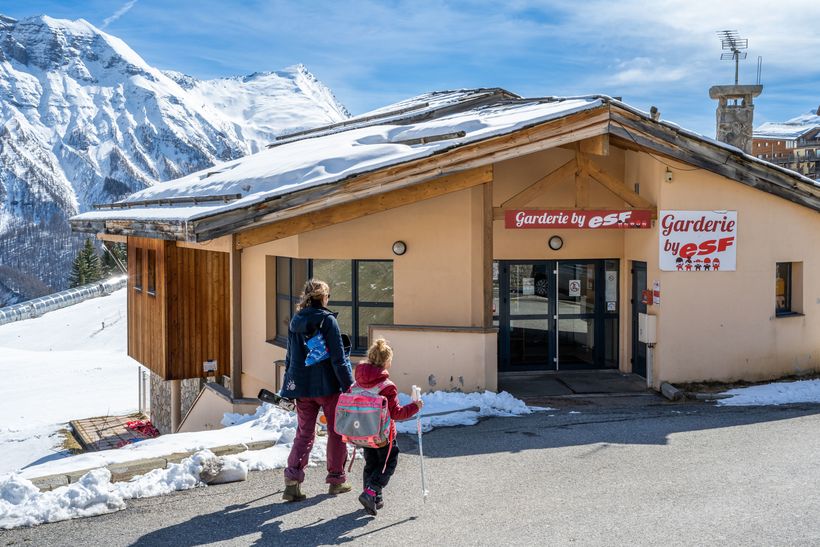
{"x":794,"y":144}
{"x":482,"y":234}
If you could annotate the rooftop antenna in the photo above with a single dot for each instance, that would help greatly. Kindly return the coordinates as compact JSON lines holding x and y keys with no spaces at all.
{"x":759,"y":68}
{"x":731,"y":41}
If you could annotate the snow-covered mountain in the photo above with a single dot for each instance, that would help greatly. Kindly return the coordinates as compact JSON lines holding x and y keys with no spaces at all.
{"x":84,"y":119}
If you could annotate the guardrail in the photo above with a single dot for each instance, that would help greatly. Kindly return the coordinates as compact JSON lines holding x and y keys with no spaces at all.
{"x":58,"y":300}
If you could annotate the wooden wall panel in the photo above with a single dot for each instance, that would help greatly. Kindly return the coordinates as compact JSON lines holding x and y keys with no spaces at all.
{"x":147,"y":312}
{"x":198,"y":312}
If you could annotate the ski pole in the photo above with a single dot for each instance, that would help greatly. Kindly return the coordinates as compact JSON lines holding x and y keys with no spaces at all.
{"x":416,"y":397}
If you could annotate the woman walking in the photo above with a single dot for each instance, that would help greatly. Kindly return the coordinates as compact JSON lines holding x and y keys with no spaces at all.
{"x":315,"y":386}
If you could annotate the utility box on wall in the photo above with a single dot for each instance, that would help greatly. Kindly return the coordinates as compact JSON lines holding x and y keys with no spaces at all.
{"x":647,"y":328}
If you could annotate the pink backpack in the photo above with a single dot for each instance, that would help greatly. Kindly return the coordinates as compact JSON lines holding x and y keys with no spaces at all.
{"x":363,"y":419}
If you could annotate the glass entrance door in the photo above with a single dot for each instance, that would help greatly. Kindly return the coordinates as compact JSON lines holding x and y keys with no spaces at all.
{"x":577,"y":306}
{"x":526,"y":335}
{"x":557,"y":315}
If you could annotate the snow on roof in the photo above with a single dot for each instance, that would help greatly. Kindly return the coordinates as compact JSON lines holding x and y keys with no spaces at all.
{"x":365,"y":143}
{"x":785,"y":131}
{"x":311,"y":162}
{"x":791,"y":129}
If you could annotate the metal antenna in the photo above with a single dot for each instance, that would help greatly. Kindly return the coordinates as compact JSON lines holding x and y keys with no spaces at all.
{"x":759,"y":68}
{"x":731,"y":40}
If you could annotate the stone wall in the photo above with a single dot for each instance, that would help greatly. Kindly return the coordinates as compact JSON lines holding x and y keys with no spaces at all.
{"x":160,"y":404}
{"x":160,"y":413}
{"x":190,"y":390}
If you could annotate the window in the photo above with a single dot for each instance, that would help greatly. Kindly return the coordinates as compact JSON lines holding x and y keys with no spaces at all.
{"x":788,"y":290}
{"x":360,"y":290}
{"x":291,"y":274}
{"x":152,"y":272}
{"x":782,"y":290}
{"x":138,"y":269}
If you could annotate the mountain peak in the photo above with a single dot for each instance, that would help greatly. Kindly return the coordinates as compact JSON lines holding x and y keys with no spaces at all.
{"x":6,"y":21}
{"x":84,"y":119}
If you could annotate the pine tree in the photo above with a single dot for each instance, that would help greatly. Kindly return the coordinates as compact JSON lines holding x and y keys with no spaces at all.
{"x":86,"y":267}
{"x":114,"y":255}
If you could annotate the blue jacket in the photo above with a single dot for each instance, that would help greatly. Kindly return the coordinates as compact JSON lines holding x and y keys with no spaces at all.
{"x":332,"y":375}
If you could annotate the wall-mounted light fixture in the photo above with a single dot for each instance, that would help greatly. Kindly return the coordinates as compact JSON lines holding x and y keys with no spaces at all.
{"x":399,"y":248}
{"x":556,"y":243}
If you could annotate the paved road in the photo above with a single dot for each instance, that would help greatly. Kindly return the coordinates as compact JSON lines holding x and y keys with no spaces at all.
{"x":631,"y":470}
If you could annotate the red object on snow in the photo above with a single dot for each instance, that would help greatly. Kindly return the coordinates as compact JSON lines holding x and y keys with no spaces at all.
{"x":145,"y":427}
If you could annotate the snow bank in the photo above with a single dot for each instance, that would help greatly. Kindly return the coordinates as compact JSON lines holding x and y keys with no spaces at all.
{"x":489,"y":404}
{"x":778,"y":393}
{"x":22,"y":504}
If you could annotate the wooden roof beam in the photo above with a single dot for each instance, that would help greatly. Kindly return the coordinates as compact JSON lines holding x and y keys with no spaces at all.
{"x":532,"y":191}
{"x":614,"y":185}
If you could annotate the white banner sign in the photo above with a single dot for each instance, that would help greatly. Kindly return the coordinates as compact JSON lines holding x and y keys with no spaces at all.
{"x":695,"y":241}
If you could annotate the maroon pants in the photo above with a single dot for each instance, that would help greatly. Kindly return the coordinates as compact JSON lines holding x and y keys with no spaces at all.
{"x":307,"y":409}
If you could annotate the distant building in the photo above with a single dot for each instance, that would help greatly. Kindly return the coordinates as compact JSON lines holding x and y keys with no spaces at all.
{"x":794,"y":144}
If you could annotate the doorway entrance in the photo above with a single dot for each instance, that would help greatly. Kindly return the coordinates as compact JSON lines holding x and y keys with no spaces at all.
{"x":556,"y":315}
{"x":638,"y":307}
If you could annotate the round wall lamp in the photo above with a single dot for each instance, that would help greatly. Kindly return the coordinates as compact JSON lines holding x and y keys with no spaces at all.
{"x":399,"y":248}
{"x":556,"y":243}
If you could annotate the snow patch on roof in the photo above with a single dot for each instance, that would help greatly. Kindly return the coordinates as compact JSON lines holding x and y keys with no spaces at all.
{"x":312,"y":162}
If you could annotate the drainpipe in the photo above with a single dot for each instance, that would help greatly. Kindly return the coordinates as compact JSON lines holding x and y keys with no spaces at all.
{"x":650,"y":358}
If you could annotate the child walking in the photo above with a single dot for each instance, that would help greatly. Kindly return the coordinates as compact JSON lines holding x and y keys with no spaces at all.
{"x":380,"y":463}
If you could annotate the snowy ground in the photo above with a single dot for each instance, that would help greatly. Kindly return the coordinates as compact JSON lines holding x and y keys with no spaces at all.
{"x":68,"y":364}
{"x":72,"y":363}
{"x":21,"y":504}
{"x":778,"y":393}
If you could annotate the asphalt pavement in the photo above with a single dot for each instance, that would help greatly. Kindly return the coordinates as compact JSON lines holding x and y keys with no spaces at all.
{"x":631,"y":470}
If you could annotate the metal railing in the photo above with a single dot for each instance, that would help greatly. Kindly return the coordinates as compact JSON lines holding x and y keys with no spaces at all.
{"x":58,"y":300}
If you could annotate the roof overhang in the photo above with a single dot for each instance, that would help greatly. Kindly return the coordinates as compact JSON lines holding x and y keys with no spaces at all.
{"x":628,"y":128}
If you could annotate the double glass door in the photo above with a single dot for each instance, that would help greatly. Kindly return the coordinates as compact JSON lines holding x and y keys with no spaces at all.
{"x":556,"y":315}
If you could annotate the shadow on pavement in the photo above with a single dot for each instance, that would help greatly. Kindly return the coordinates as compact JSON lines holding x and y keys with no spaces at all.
{"x":240,"y":520}
{"x":594,"y":424}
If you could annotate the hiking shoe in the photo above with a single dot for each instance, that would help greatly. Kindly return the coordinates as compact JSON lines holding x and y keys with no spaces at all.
{"x":293,"y":491}
{"x":368,"y":501}
{"x":379,"y":502}
{"x":334,"y":489}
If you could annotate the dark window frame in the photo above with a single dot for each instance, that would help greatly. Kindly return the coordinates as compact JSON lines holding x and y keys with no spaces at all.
{"x":355,"y":304}
{"x":138,"y":262}
{"x":786,"y":309}
{"x":151,"y":264}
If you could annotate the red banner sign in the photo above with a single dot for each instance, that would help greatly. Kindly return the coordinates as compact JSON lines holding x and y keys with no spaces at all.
{"x":575,"y":220}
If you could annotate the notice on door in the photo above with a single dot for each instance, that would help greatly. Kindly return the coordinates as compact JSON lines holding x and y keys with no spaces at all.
{"x":695,"y":241}
{"x":575,"y":287}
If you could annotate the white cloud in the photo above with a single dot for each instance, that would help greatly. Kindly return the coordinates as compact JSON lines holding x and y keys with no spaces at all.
{"x":119,"y":13}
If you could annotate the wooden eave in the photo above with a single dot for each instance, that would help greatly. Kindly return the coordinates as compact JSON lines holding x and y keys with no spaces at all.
{"x":632,"y":131}
{"x":627,"y":129}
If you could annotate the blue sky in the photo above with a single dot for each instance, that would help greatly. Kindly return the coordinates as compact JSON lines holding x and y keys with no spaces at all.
{"x":662,"y":53}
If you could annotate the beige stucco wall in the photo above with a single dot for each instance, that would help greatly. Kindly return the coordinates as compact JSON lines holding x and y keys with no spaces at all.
{"x":441,"y":359}
{"x":722,"y":326}
{"x":209,"y":408}
{"x":437,"y":282}
{"x":718,"y":326}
